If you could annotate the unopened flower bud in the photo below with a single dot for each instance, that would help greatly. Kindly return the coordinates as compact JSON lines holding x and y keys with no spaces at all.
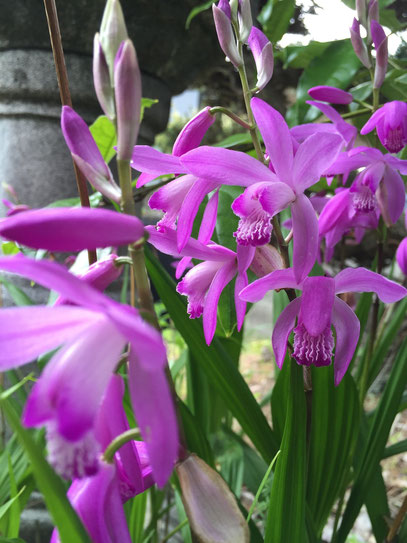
{"x":212,"y":511}
{"x":245,"y":20}
{"x":193,"y":132}
{"x":401,"y":256}
{"x":266,"y":260}
{"x":127,"y":88}
{"x":380,"y":42}
{"x":226,"y":37}
{"x":86,"y":154}
{"x":372,"y":15}
{"x":332,"y":95}
{"x":112,"y":32}
{"x":101,"y":80}
{"x":358,"y":44}
{"x":262,"y":51}
{"x":234,"y":8}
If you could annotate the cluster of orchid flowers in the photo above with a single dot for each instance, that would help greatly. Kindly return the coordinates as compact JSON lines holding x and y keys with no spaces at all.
{"x":79,"y":396}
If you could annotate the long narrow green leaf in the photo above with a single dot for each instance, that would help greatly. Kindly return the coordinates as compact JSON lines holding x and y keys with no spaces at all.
{"x":396,"y":448}
{"x":335,"y":415}
{"x":215,"y":361}
{"x":196,"y":439}
{"x":377,"y":505}
{"x":286,"y":512}
{"x":68,"y":523}
{"x":376,"y":442}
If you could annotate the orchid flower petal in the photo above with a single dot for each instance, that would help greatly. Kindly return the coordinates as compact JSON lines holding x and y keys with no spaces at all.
{"x":223,"y":276}
{"x":314,"y":156}
{"x":363,"y":280}
{"x":145,"y":178}
{"x":183,"y":264}
{"x":305,"y":235}
{"x":347,"y":329}
{"x":166,"y":242}
{"x":262,"y":51}
{"x":318,"y":294}
{"x":155,"y":414}
{"x":209,"y":219}
{"x":189,"y":210}
{"x":150,"y":160}
{"x":245,"y":254}
{"x":401,"y":255}
{"x":226,"y":167}
{"x":275,"y":280}
{"x":333,"y":211}
{"x":71,"y":229}
{"x":240,"y":305}
{"x":105,"y":185}
{"x":226,"y":37}
{"x":283,"y":328}
{"x":275,"y":197}
{"x":27,"y":332}
{"x":277,"y":138}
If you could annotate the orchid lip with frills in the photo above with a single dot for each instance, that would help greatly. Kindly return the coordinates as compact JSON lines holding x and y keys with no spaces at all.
{"x":317,"y":309}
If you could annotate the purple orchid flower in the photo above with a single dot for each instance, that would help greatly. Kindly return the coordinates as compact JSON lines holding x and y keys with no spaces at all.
{"x":86,"y":154}
{"x":203,"y":284}
{"x":67,"y":395}
{"x":98,"y":499}
{"x":332,"y":95}
{"x":98,"y":503}
{"x":390,"y":122}
{"x":71,"y":228}
{"x":350,"y":209}
{"x":317,"y":310}
{"x":268,"y":193}
{"x":380,"y":176}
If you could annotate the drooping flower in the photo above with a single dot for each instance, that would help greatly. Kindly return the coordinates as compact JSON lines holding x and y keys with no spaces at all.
{"x":390,"y":122}
{"x":86,"y":154}
{"x":204,"y":283}
{"x":268,"y":193}
{"x":93,"y":334}
{"x":311,"y":315}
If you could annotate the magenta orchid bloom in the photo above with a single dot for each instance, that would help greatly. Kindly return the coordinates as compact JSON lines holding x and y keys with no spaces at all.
{"x":379,"y":183}
{"x":86,"y":154}
{"x":67,"y":395}
{"x":269,"y":192}
{"x":98,"y":503}
{"x":203,"y":284}
{"x":98,"y":499}
{"x":390,"y":122}
{"x":71,"y":229}
{"x":317,"y":310}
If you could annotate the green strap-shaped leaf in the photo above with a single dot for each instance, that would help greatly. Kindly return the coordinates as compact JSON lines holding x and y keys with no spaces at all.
{"x":335,"y":415}
{"x":376,"y":441}
{"x":69,"y":525}
{"x":215,"y":361}
{"x":286,"y":511}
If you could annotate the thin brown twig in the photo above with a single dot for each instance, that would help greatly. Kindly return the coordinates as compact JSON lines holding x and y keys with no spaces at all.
{"x":62,"y":76}
{"x":394,"y":528}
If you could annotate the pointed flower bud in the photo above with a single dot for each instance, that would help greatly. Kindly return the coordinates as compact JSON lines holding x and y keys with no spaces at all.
{"x":245,"y":20}
{"x":225,"y":35}
{"x":86,"y":154}
{"x":331,"y":95}
{"x":358,"y":44}
{"x":380,"y":42}
{"x":112,"y":32}
{"x":127,"y":87}
{"x":372,"y":15}
{"x":211,"y":508}
{"x":262,"y":51}
{"x":101,"y":80}
{"x":193,"y":132}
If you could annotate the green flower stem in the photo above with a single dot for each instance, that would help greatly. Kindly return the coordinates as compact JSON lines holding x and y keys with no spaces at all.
{"x":175,"y":530}
{"x":226,"y":111}
{"x":130,"y":435}
{"x":357,"y":113}
{"x":376,"y":101}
